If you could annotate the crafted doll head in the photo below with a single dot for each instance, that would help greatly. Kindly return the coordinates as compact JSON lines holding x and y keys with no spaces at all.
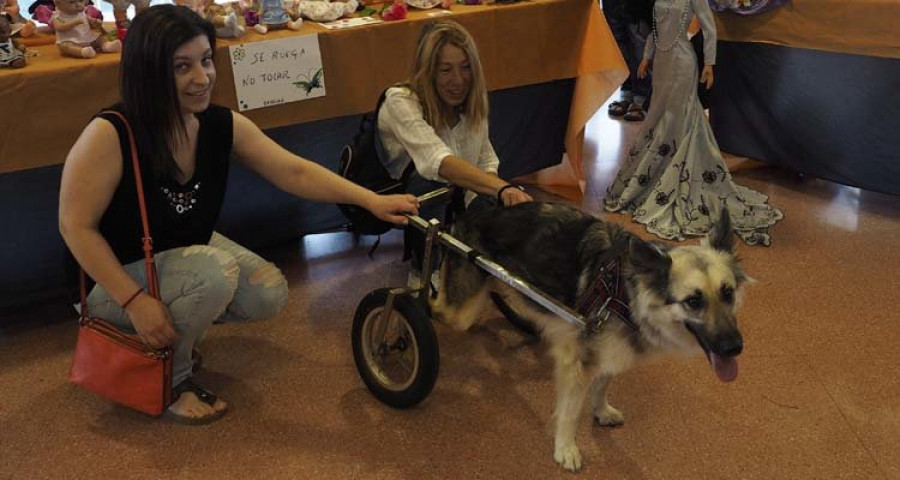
{"x":69,"y":7}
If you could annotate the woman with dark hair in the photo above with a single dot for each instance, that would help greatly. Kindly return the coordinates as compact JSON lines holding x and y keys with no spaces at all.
{"x":438,"y":122}
{"x":184,"y":144}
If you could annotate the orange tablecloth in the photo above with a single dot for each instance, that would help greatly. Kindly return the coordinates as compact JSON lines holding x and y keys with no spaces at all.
{"x":863,"y":27}
{"x":46,"y":105}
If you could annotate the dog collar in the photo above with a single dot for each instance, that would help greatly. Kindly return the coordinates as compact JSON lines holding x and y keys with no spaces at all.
{"x":607,"y":295}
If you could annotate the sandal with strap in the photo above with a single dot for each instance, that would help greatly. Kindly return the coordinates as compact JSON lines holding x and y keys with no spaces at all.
{"x":203,"y":395}
{"x":635,"y":113}
{"x":619,"y":108}
{"x":196,"y":360}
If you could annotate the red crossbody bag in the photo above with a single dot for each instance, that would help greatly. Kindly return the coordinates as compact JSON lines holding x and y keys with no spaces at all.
{"x":116,"y":365}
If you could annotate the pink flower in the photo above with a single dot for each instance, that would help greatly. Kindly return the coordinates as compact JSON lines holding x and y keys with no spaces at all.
{"x":397,"y":11}
{"x":43,"y":14}
{"x":93,"y":12}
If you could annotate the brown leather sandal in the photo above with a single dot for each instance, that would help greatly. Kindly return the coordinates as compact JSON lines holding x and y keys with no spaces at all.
{"x":203,"y":395}
{"x":619,"y":108}
{"x":635,"y":113}
{"x":196,"y":360}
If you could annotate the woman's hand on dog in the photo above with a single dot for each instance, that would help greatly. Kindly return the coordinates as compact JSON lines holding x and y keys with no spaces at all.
{"x":514,"y":196}
{"x":395,"y":208}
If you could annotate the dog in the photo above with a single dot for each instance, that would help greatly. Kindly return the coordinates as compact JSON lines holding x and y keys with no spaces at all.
{"x":682,"y":299}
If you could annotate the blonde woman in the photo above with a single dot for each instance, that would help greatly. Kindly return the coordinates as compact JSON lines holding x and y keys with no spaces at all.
{"x":438,"y":122}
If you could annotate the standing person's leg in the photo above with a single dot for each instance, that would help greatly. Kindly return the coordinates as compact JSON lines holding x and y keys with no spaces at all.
{"x":614,"y":11}
{"x":638,"y":33}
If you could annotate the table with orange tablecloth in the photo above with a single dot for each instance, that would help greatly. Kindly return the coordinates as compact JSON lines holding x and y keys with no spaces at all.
{"x":549,"y":65}
{"x":861,"y":27}
{"x":812,"y":86}
{"x":47,"y":103}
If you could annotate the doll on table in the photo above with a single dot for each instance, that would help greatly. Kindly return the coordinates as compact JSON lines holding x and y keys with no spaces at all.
{"x":322,"y":10}
{"x":225,"y":19}
{"x":42,"y":11}
{"x":273,"y":16}
{"x":77,"y":35}
{"x":120,"y":11}
{"x":25,"y":27}
{"x":12,"y":54}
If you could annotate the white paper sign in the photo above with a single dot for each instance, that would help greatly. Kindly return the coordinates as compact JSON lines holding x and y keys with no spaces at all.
{"x":277,"y":71}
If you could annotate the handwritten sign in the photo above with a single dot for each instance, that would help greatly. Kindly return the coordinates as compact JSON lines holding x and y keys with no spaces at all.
{"x":277,"y":71}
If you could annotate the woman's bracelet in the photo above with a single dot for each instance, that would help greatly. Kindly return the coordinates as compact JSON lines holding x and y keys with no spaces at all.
{"x":139,"y":291}
{"x":503,"y":189}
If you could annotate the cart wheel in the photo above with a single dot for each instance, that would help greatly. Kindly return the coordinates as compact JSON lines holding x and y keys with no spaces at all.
{"x":401,"y":367}
{"x":522,"y":324}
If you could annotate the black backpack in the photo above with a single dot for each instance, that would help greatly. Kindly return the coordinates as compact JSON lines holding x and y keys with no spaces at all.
{"x":361,"y":165}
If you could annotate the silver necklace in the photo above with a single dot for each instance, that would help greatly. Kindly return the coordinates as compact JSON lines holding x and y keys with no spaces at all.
{"x":669,"y":4}
{"x":679,"y":31}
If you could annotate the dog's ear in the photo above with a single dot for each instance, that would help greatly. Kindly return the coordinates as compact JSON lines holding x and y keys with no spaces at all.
{"x":649,"y":259}
{"x":721,"y":237}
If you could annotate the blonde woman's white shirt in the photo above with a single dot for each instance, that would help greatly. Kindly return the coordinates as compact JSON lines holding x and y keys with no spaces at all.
{"x":407,"y":137}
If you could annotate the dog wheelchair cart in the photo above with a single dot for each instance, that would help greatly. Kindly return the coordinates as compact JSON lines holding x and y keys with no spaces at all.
{"x":394,"y":344}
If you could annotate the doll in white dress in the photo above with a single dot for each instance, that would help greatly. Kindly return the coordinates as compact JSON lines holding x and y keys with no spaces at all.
{"x":675,"y":181}
{"x":78,"y":35}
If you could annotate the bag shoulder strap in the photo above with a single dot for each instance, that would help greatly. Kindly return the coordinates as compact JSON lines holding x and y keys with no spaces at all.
{"x":147,"y":240}
{"x":407,"y":172}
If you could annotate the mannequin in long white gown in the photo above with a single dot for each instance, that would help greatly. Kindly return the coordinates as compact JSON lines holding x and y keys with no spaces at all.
{"x":675,"y":181}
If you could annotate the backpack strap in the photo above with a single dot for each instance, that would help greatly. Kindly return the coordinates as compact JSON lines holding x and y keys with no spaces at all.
{"x":404,"y":177}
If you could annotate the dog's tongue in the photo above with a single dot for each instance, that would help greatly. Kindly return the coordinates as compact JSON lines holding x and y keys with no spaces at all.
{"x":726,"y":367}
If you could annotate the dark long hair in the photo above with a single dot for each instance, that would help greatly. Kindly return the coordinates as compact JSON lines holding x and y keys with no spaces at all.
{"x":147,"y":79}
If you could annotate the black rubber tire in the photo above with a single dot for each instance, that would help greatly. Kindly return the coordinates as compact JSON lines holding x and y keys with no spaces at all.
{"x":424,"y":342}
{"x":513,"y":317}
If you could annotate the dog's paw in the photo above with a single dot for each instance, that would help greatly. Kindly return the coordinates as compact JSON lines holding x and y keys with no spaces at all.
{"x":568,"y":456}
{"x":609,"y":416}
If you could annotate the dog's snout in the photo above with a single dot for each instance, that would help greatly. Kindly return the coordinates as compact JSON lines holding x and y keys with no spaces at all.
{"x":730,"y":346}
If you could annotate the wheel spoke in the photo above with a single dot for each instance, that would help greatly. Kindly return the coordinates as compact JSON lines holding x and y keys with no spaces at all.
{"x":403,"y":364}
{"x":379,"y":345}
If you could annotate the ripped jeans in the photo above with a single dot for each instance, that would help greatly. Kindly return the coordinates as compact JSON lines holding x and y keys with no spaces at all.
{"x":202,"y":284}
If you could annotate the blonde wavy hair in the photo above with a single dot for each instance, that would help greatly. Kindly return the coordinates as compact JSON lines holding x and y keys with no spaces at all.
{"x":434,"y":37}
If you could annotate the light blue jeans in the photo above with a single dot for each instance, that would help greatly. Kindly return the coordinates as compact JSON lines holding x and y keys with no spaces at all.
{"x":202,"y":284}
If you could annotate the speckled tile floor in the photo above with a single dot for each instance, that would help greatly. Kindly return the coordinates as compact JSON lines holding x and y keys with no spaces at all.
{"x":817,"y":396}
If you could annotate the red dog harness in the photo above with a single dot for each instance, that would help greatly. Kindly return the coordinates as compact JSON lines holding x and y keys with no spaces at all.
{"x":607,"y":293}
